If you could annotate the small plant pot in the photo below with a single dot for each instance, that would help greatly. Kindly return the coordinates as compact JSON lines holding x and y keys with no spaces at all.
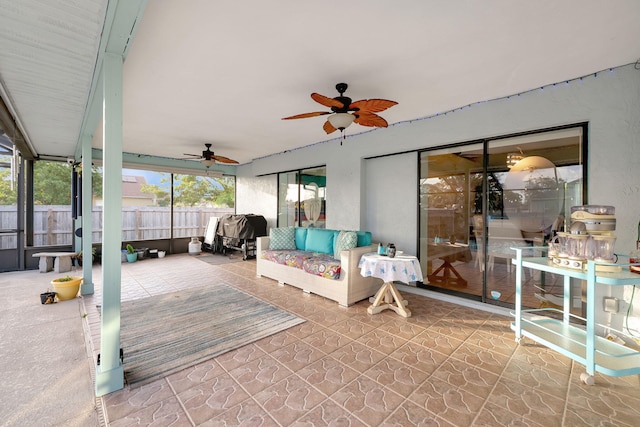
{"x":132,"y":257}
{"x":68,"y":289}
{"x":47,"y":297}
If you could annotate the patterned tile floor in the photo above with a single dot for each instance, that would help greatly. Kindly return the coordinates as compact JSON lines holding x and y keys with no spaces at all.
{"x":447,"y":365}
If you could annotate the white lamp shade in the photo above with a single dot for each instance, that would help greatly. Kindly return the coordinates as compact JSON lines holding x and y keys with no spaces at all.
{"x":532,"y":185}
{"x":341,"y":120}
{"x":529,"y":168}
{"x":207,"y":162}
{"x":532,"y":163}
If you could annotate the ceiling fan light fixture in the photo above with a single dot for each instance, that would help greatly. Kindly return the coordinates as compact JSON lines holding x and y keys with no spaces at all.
{"x":513,"y":158}
{"x":341,"y":121}
{"x":207,"y":162}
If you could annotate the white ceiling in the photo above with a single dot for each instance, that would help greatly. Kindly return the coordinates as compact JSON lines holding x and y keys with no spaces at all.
{"x":222,"y":72}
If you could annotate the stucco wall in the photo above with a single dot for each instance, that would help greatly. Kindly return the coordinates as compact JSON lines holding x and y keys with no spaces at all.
{"x":258,"y":196}
{"x":608,"y":101}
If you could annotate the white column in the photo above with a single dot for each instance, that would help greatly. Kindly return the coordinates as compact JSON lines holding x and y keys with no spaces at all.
{"x":87,"y":227}
{"x":110,"y":373}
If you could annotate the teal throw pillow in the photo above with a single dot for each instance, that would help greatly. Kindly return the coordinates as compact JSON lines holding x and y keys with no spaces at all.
{"x":281,"y":239}
{"x":319,"y":240}
{"x":301,"y":237}
{"x":346,"y":240}
{"x":364,"y":238}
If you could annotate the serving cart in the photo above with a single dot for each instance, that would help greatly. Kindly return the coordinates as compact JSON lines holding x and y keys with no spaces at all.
{"x":571,"y":335}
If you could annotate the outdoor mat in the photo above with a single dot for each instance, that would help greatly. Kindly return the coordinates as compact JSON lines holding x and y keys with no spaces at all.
{"x":164,"y":334}
{"x":218,"y":259}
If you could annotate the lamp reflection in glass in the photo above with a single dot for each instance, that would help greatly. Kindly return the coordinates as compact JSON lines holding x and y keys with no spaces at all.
{"x":533,"y":163}
{"x":532,"y":200}
{"x":513,"y":158}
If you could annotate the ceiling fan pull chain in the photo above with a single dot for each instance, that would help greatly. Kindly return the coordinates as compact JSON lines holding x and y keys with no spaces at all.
{"x":342,"y":134}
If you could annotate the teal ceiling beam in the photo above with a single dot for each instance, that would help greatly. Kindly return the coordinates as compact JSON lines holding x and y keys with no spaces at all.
{"x":131,"y":161}
{"x":121,"y":22}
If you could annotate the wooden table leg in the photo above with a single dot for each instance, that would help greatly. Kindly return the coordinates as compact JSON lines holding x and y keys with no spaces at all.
{"x":447,"y":278}
{"x":388,"y":297}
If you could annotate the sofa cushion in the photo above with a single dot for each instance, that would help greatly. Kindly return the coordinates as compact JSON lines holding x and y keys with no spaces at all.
{"x":301,"y":237}
{"x":282,"y":238}
{"x":290,"y":258}
{"x":323,"y":265}
{"x":319,"y":240}
{"x":364,"y":238}
{"x":346,"y":240}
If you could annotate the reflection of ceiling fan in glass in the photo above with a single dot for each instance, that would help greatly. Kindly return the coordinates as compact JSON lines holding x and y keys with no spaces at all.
{"x":535,"y":180}
{"x":208,"y":157}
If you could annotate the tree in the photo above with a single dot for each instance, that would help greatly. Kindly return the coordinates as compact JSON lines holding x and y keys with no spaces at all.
{"x":188,"y":190}
{"x":162,"y":197}
{"x":191,"y":190}
{"x":96,"y":182}
{"x":7,"y":194}
{"x":51,"y":183}
{"x":227,"y":196}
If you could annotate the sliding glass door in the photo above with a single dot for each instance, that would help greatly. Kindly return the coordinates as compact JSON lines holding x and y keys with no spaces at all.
{"x":478,"y":201}
{"x":450,"y":186}
{"x":302,"y":198}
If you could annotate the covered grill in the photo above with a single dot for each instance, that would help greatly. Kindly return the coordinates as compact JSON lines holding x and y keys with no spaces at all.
{"x":240,"y":232}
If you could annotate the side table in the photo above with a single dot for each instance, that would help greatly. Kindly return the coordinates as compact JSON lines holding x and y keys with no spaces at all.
{"x":401,"y":268}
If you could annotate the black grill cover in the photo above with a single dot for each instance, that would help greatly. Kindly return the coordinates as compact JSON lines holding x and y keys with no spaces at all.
{"x":242,"y":226}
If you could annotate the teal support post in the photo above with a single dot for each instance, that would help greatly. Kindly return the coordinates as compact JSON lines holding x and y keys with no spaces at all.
{"x":87,"y":227}
{"x":110,"y":372}
{"x":591,"y":319}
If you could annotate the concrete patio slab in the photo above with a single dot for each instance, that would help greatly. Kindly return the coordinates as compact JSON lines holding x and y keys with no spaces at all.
{"x":45,"y":366}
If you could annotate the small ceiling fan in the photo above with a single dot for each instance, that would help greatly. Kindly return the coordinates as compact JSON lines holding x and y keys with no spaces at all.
{"x":208,"y":157}
{"x":344,"y":111}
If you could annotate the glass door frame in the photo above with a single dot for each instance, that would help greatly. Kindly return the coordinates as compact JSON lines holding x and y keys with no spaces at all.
{"x":13,"y":258}
{"x":293,"y":209}
{"x":485,"y":297}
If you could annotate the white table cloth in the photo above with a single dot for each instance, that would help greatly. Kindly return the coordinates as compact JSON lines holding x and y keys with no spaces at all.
{"x":401,"y":268}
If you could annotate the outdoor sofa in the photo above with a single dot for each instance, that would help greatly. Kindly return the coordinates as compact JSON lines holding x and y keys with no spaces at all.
{"x":319,"y":261}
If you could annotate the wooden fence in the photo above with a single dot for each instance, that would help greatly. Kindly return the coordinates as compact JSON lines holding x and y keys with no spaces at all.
{"x":53,"y":225}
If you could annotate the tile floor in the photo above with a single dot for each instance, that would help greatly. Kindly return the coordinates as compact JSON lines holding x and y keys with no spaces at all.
{"x":447,"y":365}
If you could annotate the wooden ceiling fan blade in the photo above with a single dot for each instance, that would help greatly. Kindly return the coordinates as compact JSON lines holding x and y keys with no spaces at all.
{"x":326,"y":101}
{"x":306,"y":115}
{"x":223,"y":159}
{"x":370,"y":119}
{"x":372,"y":105}
{"x":328,"y":127}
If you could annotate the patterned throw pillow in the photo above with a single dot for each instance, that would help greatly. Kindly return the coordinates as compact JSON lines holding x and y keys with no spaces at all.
{"x":283,"y":238}
{"x":346,"y":240}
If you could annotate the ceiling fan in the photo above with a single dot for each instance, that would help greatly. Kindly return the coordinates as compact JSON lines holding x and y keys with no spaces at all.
{"x":344,"y":111}
{"x":208,"y":157}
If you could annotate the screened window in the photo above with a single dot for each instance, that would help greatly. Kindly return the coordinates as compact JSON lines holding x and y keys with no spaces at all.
{"x":52,"y":216}
{"x":161,"y":205}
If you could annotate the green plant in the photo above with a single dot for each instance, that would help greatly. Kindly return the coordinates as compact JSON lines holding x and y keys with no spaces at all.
{"x":80,"y":254}
{"x":66,"y":278}
{"x":130,"y":249}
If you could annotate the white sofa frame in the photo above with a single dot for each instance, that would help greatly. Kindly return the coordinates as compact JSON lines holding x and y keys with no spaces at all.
{"x":350,"y":288}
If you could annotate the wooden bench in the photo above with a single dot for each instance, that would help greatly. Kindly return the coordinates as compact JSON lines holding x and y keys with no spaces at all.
{"x":57,"y":261}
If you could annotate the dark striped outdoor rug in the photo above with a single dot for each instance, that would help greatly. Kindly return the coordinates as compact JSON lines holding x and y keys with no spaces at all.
{"x":164,"y":334}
